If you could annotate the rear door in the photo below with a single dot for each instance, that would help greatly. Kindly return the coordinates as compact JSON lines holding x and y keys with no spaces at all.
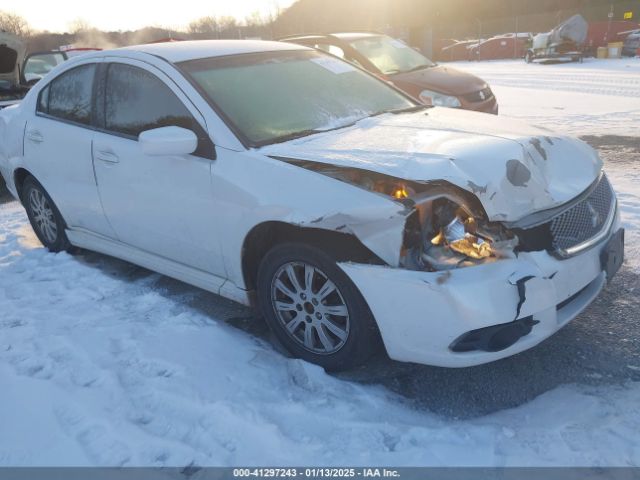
{"x":162,"y":204}
{"x":57,"y":148}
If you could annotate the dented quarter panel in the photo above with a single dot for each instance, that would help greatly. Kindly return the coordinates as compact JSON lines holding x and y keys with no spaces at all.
{"x":514,"y":169}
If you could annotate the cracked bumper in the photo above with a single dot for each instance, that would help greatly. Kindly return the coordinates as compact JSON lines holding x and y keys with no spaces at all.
{"x":420,"y":314}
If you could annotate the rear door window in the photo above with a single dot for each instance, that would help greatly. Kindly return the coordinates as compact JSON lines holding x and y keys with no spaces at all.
{"x":69,"y":96}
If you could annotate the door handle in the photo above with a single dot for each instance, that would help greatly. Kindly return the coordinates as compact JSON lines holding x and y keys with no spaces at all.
{"x":35,"y":136}
{"x":107,"y":156}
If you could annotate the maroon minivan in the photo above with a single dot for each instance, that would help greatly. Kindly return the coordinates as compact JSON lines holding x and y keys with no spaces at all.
{"x":406,"y":68}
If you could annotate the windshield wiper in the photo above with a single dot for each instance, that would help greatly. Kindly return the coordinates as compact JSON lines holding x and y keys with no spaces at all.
{"x":414,"y":108}
{"x":302,"y":133}
{"x":419,"y":67}
{"x":290,"y":136}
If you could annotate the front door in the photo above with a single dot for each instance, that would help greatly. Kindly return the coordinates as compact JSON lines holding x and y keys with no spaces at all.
{"x":162,"y":204}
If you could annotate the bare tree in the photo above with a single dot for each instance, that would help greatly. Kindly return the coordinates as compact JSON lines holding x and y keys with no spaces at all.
{"x":274,"y":12}
{"x":217,"y":27}
{"x":79,"y":25}
{"x":205,"y":25}
{"x":255,"y":19}
{"x":15,"y":24}
{"x":228,"y":23}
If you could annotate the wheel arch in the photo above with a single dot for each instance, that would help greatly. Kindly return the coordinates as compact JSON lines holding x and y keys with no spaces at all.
{"x":264,"y":236}
{"x":19,"y":176}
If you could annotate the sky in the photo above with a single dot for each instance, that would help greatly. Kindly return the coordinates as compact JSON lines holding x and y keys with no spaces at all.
{"x":116,"y":15}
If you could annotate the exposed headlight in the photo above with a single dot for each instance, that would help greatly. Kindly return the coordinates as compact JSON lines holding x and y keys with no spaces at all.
{"x":453,"y":237}
{"x":395,"y":189}
{"x":429,"y":97}
{"x":458,"y":237}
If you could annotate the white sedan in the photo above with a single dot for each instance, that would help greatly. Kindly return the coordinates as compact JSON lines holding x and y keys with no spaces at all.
{"x":352,"y":216}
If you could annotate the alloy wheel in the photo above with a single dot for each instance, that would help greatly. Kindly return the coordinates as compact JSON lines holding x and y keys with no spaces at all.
{"x":43,"y":215}
{"x":310,"y":307}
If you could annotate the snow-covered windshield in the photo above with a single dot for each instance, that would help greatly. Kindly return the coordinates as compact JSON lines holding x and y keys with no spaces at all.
{"x":391,"y":56}
{"x":274,"y":96}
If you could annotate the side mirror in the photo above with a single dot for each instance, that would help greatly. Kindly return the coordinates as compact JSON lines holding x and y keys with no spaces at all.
{"x":168,"y":141}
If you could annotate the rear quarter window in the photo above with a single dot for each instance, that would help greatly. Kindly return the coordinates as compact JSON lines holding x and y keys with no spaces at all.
{"x":43,"y":100}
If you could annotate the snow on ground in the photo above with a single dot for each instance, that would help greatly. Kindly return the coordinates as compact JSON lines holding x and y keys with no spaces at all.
{"x":96,"y":369}
{"x":596,"y":97}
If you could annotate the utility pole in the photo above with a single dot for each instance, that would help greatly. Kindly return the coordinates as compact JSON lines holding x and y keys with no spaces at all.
{"x":516,"y":40}
{"x":606,"y":39}
{"x":479,"y":35}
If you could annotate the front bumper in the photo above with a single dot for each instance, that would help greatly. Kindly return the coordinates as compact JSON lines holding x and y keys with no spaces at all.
{"x":488,"y":106}
{"x":420,"y":314}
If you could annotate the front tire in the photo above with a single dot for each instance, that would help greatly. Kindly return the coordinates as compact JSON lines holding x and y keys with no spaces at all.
{"x":314,"y":309}
{"x":44,"y":216}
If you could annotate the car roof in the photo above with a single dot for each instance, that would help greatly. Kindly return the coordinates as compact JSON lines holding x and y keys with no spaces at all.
{"x":176,"y":52}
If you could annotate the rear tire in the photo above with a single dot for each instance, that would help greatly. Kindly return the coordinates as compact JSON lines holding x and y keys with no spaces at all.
{"x":314,"y":309}
{"x":528,"y":57}
{"x":44,"y":216}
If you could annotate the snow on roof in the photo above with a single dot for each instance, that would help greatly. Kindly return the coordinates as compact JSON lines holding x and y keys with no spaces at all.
{"x":191,"y":50}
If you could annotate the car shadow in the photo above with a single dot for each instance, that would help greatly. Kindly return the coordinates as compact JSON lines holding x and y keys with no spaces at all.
{"x":5,"y":196}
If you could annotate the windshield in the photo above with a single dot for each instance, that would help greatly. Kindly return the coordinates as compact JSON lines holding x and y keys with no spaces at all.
{"x":391,"y":56}
{"x":274,"y":96}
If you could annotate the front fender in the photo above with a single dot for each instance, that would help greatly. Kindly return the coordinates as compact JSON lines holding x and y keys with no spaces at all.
{"x":251,"y":189}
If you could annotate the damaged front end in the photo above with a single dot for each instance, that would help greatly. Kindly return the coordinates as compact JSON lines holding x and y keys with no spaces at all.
{"x":445,"y":227}
{"x":448,"y":230}
{"x":531,"y":276}
{"x":533,"y":214}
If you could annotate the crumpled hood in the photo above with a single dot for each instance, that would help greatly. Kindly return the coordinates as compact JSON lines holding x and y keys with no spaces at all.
{"x":514,"y":169}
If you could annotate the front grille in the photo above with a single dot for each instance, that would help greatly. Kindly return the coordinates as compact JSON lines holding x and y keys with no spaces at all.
{"x":584,"y":220}
{"x":479,"y":96}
